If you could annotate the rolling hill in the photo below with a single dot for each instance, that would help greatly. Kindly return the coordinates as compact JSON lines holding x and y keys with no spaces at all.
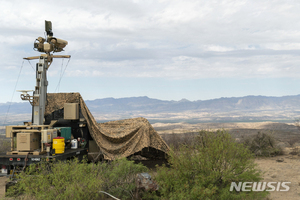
{"x":248,"y":108}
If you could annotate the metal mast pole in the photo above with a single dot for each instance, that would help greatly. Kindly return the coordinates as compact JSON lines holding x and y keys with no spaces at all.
{"x":40,"y":92}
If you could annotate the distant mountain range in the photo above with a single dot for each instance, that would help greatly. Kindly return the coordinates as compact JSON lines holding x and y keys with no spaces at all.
{"x":145,"y":104}
{"x":223,"y":109}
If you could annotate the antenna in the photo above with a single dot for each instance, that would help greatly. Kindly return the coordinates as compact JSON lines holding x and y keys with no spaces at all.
{"x":24,"y":91}
{"x":48,"y":28}
{"x":47,"y":46}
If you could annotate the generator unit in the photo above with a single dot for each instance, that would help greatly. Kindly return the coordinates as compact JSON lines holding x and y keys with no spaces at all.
{"x":29,"y":141}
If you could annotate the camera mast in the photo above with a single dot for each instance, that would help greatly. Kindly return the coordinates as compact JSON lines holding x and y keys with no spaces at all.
{"x":46,"y":46}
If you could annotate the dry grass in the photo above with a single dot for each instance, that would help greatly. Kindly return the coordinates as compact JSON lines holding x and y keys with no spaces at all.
{"x":176,"y":140}
{"x":263,"y":144}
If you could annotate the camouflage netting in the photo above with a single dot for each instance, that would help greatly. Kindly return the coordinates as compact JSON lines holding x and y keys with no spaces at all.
{"x":115,"y":139}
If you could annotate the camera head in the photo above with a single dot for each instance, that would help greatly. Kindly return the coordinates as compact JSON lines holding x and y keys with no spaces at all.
{"x":49,"y":44}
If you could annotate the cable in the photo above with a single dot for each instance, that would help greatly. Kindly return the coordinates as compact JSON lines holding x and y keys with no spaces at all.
{"x":31,"y":65}
{"x":62,"y":76}
{"x":13,"y":94}
{"x":61,"y":68}
{"x":61,"y":71}
{"x":110,"y":195}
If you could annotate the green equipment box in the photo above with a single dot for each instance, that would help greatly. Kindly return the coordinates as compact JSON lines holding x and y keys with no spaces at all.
{"x":65,"y":132}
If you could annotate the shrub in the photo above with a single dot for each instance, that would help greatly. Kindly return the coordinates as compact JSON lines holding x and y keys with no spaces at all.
{"x":177,"y":139}
{"x":118,"y":177}
{"x":77,"y":180}
{"x":4,"y":145}
{"x":60,"y":180}
{"x":206,"y":170}
{"x":262,"y":144}
{"x":293,"y":142}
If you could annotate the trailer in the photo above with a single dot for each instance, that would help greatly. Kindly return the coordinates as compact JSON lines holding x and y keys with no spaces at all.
{"x":12,"y":164}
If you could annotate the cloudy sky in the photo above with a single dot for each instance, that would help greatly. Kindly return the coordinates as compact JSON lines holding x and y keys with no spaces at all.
{"x":168,"y":49}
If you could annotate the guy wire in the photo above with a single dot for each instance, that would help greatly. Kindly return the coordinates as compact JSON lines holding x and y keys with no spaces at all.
{"x":4,"y":122}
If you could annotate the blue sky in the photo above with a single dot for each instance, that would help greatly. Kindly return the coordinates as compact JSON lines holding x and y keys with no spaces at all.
{"x":164,"y":49}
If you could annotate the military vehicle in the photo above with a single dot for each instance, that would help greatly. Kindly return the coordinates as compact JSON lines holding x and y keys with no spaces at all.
{"x":62,"y":127}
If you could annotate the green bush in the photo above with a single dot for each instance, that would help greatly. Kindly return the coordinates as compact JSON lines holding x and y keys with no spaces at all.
{"x":77,"y":180}
{"x":206,"y":170}
{"x":119,"y":176}
{"x":262,"y":144}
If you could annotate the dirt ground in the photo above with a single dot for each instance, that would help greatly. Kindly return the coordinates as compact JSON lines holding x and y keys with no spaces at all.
{"x":2,"y":186}
{"x":286,"y":171}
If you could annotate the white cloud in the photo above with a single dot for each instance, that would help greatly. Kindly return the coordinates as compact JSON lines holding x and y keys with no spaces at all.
{"x":217,"y":48}
{"x":160,"y":38}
